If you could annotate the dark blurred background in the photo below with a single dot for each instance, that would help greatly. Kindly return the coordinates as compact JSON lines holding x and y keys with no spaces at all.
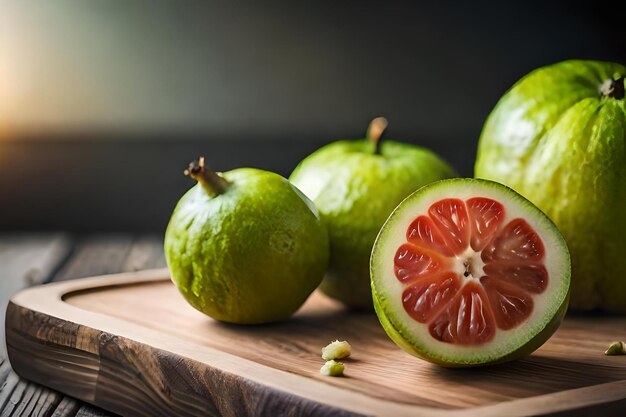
{"x":102,"y":104}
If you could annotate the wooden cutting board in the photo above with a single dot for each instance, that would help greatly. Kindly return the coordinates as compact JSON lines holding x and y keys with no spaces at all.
{"x":129,"y":343}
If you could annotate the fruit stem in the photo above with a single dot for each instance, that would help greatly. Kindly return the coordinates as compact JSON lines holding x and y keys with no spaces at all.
{"x":211,"y":181}
{"x":614,"y":88}
{"x":375,"y":132}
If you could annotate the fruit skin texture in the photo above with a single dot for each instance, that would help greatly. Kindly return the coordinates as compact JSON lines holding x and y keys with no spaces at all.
{"x":250,"y":255}
{"x":399,"y":331}
{"x":557,"y":140}
{"x":355,"y":190}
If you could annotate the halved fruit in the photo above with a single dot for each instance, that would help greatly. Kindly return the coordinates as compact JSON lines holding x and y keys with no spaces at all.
{"x":467,"y":272}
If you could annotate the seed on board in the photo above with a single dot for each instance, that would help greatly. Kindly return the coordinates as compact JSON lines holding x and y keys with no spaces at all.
{"x":332,"y":368}
{"x":616,"y":348}
{"x":336,"y":350}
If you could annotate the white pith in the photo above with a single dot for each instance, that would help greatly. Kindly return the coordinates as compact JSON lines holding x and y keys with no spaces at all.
{"x":459,"y":266}
{"x":390,"y":289}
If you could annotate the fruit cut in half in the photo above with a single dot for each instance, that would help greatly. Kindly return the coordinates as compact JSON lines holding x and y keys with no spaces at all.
{"x":467,"y":272}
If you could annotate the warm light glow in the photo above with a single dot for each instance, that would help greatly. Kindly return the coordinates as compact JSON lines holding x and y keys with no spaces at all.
{"x":39,"y":88}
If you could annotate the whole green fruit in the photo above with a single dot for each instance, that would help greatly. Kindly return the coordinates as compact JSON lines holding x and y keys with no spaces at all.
{"x":558,"y":137}
{"x":245,"y":246}
{"x":356,"y":184}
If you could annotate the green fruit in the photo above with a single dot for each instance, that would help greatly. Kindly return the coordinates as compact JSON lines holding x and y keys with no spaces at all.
{"x":558,"y":137}
{"x":355,"y":185}
{"x":245,"y":246}
{"x":467,"y":272}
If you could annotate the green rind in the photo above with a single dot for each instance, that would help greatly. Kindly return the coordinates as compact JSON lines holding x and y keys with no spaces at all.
{"x":395,"y":335}
{"x":250,"y":255}
{"x":400,"y":334}
{"x":532,"y":345}
{"x":355,"y":190}
{"x":555,"y":140}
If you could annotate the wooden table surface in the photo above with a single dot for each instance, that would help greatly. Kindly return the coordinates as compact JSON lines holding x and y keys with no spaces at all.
{"x":27,"y":260}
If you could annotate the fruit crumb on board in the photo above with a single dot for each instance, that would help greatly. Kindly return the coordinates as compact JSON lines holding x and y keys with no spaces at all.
{"x":332,"y":368}
{"x":336,"y":350}
{"x":616,"y":348}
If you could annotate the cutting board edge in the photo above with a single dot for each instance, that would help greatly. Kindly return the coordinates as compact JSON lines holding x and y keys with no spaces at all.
{"x":45,"y":306}
{"x":36,"y":311}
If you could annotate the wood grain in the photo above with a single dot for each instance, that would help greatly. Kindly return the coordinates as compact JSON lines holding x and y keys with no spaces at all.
{"x":28,"y":259}
{"x":97,"y":255}
{"x":129,"y":343}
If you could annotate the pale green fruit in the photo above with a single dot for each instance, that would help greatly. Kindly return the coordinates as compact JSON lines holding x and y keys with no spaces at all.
{"x":245,"y":246}
{"x":355,"y":184}
{"x":558,"y":137}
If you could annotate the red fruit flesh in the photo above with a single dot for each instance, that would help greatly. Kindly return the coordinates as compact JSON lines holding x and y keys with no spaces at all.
{"x":468,"y":275}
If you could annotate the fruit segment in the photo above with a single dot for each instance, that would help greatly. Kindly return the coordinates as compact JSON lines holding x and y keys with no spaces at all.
{"x":450,"y":216}
{"x":414,"y":262}
{"x":425,"y":298}
{"x":486,"y":216}
{"x":511,"y":305}
{"x":467,"y":274}
{"x":516,"y":242}
{"x":532,"y":277}
{"x":467,"y":320}
{"x":423,"y":232}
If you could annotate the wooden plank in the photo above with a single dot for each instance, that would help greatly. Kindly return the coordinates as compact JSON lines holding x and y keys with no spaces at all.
{"x":5,"y":371}
{"x":9,"y":382}
{"x":29,"y":260}
{"x":28,"y":399}
{"x":145,"y":253}
{"x":26,"y":260}
{"x":68,"y":407}
{"x":156,"y":353}
{"x":89,"y":411}
{"x":97,"y":255}
{"x":113,"y":253}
